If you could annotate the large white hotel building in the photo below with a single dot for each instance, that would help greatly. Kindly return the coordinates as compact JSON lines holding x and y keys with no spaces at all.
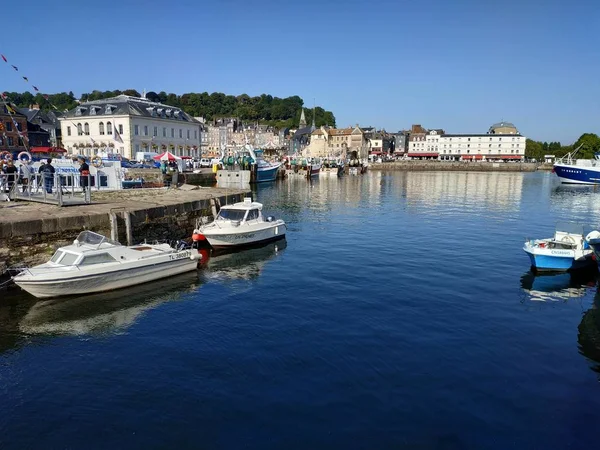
{"x":501,"y":143}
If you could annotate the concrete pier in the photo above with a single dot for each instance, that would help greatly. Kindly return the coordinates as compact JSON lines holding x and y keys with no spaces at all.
{"x":30,"y":232}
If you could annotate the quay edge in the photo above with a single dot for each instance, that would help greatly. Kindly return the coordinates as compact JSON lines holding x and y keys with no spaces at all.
{"x":30,"y":233}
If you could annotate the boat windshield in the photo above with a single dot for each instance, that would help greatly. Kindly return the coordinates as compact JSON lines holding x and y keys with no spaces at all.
{"x":91,"y":238}
{"x":231,"y":214}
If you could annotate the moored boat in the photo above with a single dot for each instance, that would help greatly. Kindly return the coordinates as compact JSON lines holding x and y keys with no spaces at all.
{"x":566,"y":250}
{"x":578,"y":171}
{"x":241,"y":224}
{"x":94,"y":263}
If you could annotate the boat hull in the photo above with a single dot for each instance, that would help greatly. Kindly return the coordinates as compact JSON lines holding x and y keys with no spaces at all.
{"x":572,"y":174}
{"x":244,"y":236}
{"x":264,"y":175}
{"x":557,"y":260}
{"x":81,"y":283}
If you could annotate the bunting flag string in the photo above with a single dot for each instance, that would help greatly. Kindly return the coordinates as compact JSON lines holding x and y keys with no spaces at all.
{"x":35,"y":88}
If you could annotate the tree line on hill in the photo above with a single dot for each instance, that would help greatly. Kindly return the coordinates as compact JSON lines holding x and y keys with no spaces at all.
{"x":589,"y":142}
{"x":264,"y":109}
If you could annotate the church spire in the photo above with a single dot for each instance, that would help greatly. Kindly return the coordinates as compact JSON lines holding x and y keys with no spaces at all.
{"x":302,"y":120}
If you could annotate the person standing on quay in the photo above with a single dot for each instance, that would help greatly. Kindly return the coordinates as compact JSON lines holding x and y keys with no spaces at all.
{"x":11,"y":172}
{"x":48,"y":171}
{"x":84,"y":174}
{"x":25,"y":175}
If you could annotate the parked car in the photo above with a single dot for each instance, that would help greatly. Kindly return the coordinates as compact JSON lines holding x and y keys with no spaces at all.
{"x":205,"y":162}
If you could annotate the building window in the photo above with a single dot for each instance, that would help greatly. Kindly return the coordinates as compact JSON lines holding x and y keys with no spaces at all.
{"x":8,"y":126}
{"x":136,"y":129}
{"x":101,"y":128}
{"x":120,"y":129}
{"x":172,"y":132}
{"x":490,"y":146}
{"x":79,"y":130}
{"x":68,"y":131}
{"x":188,"y":134}
{"x":180,"y":133}
{"x":137,"y":146}
{"x":145,"y":130}
{"x":469,"y":139}
{"x":499,"y":139}
{"x":195,"y":134}
{"x":20,"y":142}
{"x":164,"y":131}
{"x":86,"y":128}
{"x":10,"y":141}
{"x":108,"y":128}
{"x":155,"y":132}
{"x":19,"y":127}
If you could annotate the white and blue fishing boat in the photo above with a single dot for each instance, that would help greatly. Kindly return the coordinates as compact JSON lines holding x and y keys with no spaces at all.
{"x":264,"y":171}
{"x":567,"y":250}
{"x":578,"y":171}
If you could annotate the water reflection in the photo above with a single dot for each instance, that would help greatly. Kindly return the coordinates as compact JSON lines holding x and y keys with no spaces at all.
{"x":495,"y":190}
{"x":578,"y":202}
{"x":557,"y":287}
{"x":104,"y":312}
{"x":588,"y":336}
{"x":242,"y":265}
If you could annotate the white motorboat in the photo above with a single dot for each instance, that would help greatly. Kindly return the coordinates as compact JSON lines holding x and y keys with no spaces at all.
{"x":94,"y":263}
{"x":241,"y":224}
{"x":566,"y":250}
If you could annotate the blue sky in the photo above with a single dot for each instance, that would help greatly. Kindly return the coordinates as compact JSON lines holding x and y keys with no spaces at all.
{"x":454,"y":64}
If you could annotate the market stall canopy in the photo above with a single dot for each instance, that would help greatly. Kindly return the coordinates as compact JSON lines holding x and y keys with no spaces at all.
{"x":47,"y":150}
{"x":166,"y":156}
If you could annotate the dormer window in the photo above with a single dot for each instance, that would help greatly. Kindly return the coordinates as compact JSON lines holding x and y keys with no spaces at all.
{"x":109,"y":109}
{"x":152,"y":111}
{"x":80,"y":111}
{"x":169,"y":112}
{"x":93,"y":110}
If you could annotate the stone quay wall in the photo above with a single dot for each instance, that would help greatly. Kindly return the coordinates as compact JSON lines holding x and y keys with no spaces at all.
{"x":455,"y":166}
{"x":31,"y":232}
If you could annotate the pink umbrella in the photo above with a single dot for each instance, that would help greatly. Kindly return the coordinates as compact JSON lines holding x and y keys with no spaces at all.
{"x":166,"y":156}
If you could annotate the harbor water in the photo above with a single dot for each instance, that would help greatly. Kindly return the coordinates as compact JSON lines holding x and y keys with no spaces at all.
{"x":399,"y":313}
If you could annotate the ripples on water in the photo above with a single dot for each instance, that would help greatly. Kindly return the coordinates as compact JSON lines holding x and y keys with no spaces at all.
{"x":399,"y":314}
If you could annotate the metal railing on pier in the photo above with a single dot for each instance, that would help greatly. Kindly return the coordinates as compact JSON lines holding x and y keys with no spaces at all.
{"x":57,"y":189}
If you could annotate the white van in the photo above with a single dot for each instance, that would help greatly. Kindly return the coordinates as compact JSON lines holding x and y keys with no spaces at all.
{"x":145,"y":156}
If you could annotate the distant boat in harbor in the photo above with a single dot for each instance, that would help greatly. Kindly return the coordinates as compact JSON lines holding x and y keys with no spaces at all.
{"x":578,"y":171}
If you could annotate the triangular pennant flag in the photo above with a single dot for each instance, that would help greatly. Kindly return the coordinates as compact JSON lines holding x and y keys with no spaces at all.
{"x":14,"y":67}
{"x":35,"y":87}
{"x":26,"y":79}
{"x":4,"y":58}
{"x":4,"y":95}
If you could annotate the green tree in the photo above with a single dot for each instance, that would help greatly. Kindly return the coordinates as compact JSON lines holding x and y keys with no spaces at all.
{"x":589,"y":144}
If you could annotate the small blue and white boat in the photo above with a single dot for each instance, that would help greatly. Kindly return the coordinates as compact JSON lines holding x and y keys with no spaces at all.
{"x":578,"y":171}
{"x":566,"y":250}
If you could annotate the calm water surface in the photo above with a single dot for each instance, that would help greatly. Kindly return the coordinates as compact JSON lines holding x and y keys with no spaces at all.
{"x":400,"y":314}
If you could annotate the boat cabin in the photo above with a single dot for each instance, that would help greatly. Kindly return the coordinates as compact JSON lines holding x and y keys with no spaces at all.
{"x":241,"y":212}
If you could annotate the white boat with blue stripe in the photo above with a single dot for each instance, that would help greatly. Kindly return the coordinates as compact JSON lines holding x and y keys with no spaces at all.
{"x":567,"y":250}
{"x":578,"y":171}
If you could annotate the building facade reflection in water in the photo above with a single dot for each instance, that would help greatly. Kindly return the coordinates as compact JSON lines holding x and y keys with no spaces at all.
{"x":496,"y":190}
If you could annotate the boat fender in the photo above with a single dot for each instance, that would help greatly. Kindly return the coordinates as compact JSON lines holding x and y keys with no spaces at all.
{"x":197,"y":236}
{"x":27,"y":156}
{"x":195,"y":256}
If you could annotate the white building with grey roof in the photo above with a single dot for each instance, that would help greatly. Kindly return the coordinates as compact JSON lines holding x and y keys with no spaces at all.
{"x":126,"y":125}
